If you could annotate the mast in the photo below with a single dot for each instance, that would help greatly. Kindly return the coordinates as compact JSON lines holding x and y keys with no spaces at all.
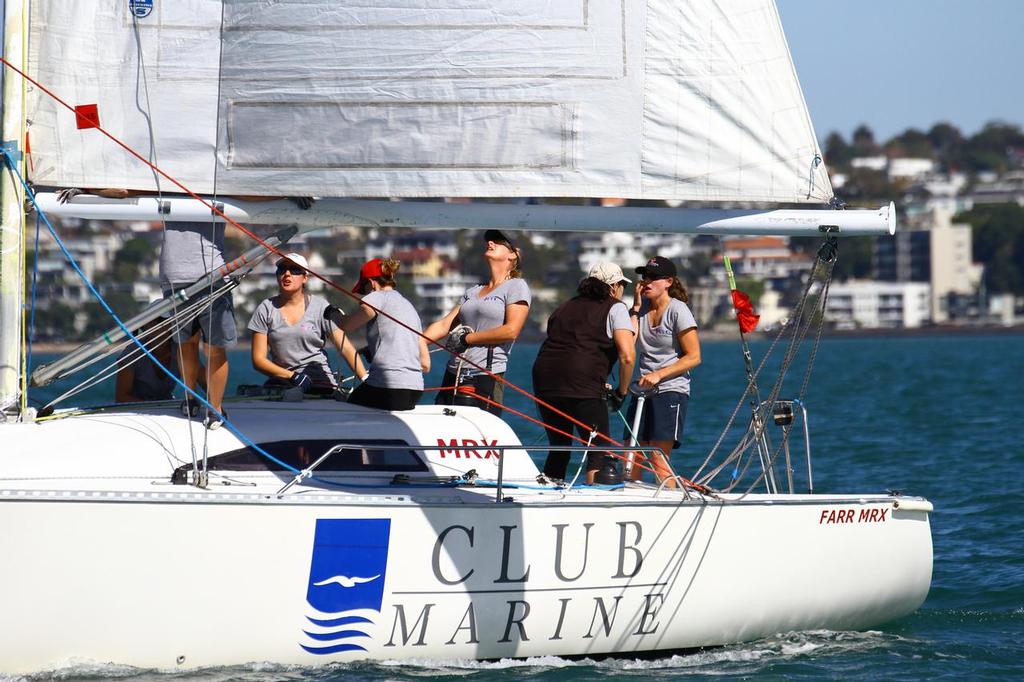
{"x":12,"y":216}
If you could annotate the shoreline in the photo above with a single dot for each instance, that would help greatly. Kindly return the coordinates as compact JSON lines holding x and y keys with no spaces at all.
{"x":718,"y":335}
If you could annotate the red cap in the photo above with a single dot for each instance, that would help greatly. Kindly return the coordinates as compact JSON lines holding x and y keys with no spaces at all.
{"x":369,"y":270}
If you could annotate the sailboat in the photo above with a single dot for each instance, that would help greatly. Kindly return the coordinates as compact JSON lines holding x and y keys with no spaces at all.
{"x":317,"y":531}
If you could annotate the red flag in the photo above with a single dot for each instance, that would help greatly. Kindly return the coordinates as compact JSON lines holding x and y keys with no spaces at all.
{"x":744,"y":311}
{"x":87,"y":116}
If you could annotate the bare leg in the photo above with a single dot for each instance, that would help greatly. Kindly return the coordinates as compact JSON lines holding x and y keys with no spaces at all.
{"x":190,"y":362}
{"x":659,"y":460}
{"x":217,"y":356}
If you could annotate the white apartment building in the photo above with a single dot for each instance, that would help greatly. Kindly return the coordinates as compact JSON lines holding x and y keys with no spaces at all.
{"x":630,"y":251}
{"x":440,"y":294}
{"x":860,"y":304}
{"x":761,"y":258}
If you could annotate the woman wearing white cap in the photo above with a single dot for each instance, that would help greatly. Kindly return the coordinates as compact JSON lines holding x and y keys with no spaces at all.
{"x":291,"y":325}
{"x":586,"y":335}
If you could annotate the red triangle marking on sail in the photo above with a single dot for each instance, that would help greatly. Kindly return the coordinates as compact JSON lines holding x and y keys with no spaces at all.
{"x":744,"y":311}
{"x":87,"y":116}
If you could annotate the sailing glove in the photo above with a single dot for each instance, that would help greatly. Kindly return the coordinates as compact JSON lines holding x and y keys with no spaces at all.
{"x":614,"y":400}
{"x":302,"y":381}
{"x":333,"y":313}
{"x":456,"y":341}
{"x":66,"y":195}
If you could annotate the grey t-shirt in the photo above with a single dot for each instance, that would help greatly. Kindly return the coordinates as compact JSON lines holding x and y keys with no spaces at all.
{"x":190,"y":250}
{"x":395,"y":349}
{"x":300,"y":346}
{"x":487,"y":313}
{"x":149,"y":382}
{"x":659,"y":346}
{"x":618,"y":318}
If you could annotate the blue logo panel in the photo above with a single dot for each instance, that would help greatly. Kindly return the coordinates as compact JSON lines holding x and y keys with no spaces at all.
{"x":346,"y":573}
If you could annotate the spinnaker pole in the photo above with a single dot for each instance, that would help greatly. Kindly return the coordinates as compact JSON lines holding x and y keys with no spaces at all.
{"x":216,"y":280}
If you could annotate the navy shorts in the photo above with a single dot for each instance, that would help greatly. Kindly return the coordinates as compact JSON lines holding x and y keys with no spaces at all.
{"x":216,"y":324}
{"x":662,"y":419}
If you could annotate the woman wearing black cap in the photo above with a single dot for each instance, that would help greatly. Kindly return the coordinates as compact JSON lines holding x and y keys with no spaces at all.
{"x":667,"y":349}
{"x":484,"y":325}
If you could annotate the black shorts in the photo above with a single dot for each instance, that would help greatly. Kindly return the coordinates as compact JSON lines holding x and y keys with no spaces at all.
{"x":663,"y":417}
{"x":384,"y":398}
{"x":483,"y":384}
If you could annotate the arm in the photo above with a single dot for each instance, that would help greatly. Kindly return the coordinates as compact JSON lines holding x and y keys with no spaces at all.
{"x":359,"y":318}
{"x":634,"y":310}
{"x":687,"y":361}
{"x":261,"y":363}
{"x":437,"y":330}
{"x":424,"y":356}
{"x":626,"y":346}
{"x":348,"y":353}
{"x":515,"y":318}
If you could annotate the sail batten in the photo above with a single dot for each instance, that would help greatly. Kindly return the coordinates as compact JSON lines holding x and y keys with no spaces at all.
{"x":693,"y":101}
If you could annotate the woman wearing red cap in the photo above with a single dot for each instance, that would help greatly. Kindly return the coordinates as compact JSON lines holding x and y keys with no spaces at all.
{"x":667,"y":349}
{"x":393,"y":332}
{"x":292,"y":327}
{"x":483,"y":326}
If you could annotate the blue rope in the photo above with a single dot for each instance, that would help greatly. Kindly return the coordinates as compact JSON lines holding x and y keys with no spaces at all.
{"x":32,"y":305}
{"x":74,"y":264}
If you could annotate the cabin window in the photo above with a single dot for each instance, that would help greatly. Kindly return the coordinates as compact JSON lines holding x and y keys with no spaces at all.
{"x":301,"y":453}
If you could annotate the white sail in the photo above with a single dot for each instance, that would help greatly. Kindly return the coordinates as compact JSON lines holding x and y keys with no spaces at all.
{"x":654,"y":99}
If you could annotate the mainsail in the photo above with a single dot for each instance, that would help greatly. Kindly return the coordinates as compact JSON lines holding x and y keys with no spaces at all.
{"x":648,"y":99}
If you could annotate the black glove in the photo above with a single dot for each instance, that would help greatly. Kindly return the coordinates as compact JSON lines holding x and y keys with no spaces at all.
{"x":300,"y":380}
{"x":305,"y":203}
{"x":456,"y":341}
{"x":333,"y":313}
{"x":614,"y":400}
{"x":66,"y":195}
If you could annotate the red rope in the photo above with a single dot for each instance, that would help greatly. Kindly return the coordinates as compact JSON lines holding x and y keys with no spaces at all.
{"x":261,"y":242}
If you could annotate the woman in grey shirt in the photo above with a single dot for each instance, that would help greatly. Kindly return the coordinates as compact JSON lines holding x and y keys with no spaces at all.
{"x":667,"y":349}
{"x":393,"y":332}
{"x":483,"y":327}
{"x":292,"y":326}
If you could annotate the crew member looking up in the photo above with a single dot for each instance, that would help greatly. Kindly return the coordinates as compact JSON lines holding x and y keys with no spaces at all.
{"x":484,"y":325}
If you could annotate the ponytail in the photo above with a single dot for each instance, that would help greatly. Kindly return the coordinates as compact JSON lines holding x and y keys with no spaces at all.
{"x":388,"y":270}
{"x":678,"y":291}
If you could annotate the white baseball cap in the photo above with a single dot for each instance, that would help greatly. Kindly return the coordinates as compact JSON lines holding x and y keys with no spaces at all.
{"x":296,"y":258}
{"x":609,"y":273}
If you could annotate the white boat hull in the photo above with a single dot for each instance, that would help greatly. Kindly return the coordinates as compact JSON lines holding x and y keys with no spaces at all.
{"x":168,"y":576}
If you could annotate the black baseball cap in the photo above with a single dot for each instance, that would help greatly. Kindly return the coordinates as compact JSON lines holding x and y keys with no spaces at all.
{"x":656,"y":268}
{"x":499,"y":236}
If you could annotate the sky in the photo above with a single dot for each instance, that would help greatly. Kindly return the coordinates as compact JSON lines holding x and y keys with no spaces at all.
{"x":895,"y":64}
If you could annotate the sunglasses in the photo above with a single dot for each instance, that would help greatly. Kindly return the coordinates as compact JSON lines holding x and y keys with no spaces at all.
{"x":291,"y":270}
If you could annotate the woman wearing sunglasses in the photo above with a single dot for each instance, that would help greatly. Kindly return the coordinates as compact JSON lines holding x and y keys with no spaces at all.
{"x":292,"y":327}
{"x":393,"y":332}
{"x":483,"y":327}
{"x":667,"y":349}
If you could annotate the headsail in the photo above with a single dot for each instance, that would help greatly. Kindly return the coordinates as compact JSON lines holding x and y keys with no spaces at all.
{"x":652,"y":99}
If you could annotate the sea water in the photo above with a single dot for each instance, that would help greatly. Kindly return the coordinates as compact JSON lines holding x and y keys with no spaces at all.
{"x":932,"y":416}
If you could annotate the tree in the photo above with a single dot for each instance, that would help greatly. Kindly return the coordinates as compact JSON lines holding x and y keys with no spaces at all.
{"x":837,"y":152}
{"x":133,"y":253}
{"x":998,"y":242}
{"x":989,"y":149}
{"x":864,"y":142}
{"x":911,"y":143}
